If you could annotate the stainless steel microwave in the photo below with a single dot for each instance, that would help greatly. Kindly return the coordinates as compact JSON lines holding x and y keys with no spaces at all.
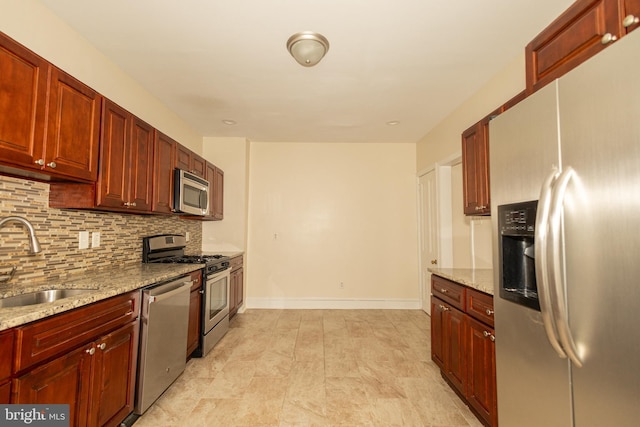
{"x":190,"y":193}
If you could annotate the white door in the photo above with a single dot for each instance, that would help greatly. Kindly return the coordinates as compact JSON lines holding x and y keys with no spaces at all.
{"x":428,"y":234}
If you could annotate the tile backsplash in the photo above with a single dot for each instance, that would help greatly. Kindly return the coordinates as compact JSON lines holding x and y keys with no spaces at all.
{"x":57,"y":231}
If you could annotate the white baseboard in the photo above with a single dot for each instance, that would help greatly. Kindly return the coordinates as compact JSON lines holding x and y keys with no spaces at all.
{"x":319,"y":303}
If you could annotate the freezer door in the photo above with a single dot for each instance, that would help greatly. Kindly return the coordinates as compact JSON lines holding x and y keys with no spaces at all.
{"x":532,"y":381}
{"x":600,"y":133}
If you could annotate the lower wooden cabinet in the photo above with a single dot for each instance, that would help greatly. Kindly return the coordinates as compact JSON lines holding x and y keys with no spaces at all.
{"x":195,"y":313}
{"x":463,"y":344}
{"x":236,"y":285}
{"x":86,"y":358}
{"x":5,"y":392}
{"x":481,"y":370}
{"x":66,"y":379}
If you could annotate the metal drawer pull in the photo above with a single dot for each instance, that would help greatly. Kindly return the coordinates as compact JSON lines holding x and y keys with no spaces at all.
{"x":91,"y":351}
{"x":479,"y":208}
{"x":629,"y":20}
{"x":486,"y":333}
{"x":492,"y":338}
{"x":39,"y":162}
{"x":444,"y":308}
{"x":102,"y":346}
{"x":443,"y":290}
{"x":489,"y":312}
{"x":52,"y":165}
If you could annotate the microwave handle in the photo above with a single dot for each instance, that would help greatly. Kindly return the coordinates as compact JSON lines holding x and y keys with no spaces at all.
{"x":204,"y":201}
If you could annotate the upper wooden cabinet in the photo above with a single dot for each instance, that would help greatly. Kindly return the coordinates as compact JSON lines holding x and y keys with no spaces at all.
{"x":190,"y":161}
{"x":584,"y":29}
{"x":62,"y":146}
{"x":215,"y":176}
{"x":126,"y":154}
{"x":164,"y":160}
{"x":475,"y":168}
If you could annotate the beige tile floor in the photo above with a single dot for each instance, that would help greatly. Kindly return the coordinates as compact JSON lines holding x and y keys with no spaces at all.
{"x":315,"y":368}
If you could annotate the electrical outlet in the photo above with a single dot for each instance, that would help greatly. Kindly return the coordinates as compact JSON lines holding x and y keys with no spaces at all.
{"x":83,"y":240}
{"x":186,"y":236}
{"x":341,"y":285}
{"x":95,"y":239}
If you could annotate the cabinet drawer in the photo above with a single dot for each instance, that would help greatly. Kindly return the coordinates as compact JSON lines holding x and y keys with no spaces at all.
{"x":236,"y":262}
{"x":448,"y":291}
{"x":62,"y":333}
{"x":480,"y":306}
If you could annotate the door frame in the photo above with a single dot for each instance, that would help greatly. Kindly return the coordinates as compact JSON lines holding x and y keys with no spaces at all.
{"x":444,"y":239}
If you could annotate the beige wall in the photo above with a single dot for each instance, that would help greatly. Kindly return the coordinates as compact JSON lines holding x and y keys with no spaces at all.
{"x":322,"y":214}
{"x":471,"y":235}
{"x":232,"y":156}
{"x":33,"y":25}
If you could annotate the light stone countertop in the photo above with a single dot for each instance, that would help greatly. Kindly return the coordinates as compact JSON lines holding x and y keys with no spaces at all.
{"x":106,"y":283}
{"x":480,"y":279}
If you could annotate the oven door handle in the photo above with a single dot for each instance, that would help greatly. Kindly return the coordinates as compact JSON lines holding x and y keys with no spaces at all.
{"x":160,"y":297}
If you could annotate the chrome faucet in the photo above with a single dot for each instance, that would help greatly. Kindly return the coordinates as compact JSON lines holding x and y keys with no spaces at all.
{"x":33,"y":240}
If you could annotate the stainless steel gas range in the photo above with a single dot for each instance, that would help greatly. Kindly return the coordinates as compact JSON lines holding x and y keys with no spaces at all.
{"x":169,"y":248}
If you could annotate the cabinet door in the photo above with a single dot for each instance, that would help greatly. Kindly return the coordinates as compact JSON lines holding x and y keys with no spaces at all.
{"x":475,"y":169}
{"x":437,"y":330}
{"x":141,"y":166}
{"x":114,"y":374}
{"x":575,"y":36}
{"x":481,"y":376}
{"x":114,"y":168}
{"x":195,"y":313}
{"x":239,"y":287}
{"x":164,"y":154}
{"x":73,"y":130}
{"x":232,"y":295}
{"x":631,"y":14}
{"x":23,"y":98}
{"x":64,"y":380}
{"x":198,"y":165}
{"x":5,"y":392}
{"x":218,"y":194}
{"x":455,"y":348}
{"x":183,"y":157}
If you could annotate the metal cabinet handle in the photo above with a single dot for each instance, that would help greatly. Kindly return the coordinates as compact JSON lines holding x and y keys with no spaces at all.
{"x":91,"y":351}
{"x":443,"y":290}
{"x":52,"y":165}
{"x":479,"y":208}
{"x":630,"y":20}
{"x":39,"y":162}
{"x":492,"y":338}
{"x":608,"y":38}
{"x":128,"y":204}
{"x":486,"y":333}
{"x":444,"y":308}
{"x":102,"y":346}
{"x":489,"y":312}
{"x":434,"y":261}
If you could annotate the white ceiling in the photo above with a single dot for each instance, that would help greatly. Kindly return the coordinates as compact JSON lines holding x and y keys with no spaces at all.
{"x":412,"y":61}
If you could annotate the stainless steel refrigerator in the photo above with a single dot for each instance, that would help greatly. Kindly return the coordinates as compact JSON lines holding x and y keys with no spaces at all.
{"x":574,"y":148}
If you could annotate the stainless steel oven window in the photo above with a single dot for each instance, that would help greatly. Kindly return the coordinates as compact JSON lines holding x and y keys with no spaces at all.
{"x":218,"y":296}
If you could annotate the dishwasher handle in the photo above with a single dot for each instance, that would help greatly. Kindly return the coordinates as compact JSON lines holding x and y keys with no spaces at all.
{"x":169,"y":294}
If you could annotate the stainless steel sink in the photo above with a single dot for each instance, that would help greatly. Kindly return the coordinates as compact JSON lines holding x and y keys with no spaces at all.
{"x":41,"y":297}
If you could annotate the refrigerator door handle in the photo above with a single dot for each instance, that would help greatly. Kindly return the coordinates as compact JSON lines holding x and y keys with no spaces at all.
{"x":557,"y":285}
{"x":541,"y":264}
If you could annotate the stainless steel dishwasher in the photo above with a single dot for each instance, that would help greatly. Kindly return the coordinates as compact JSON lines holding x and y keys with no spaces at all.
{"x":163,"y":339}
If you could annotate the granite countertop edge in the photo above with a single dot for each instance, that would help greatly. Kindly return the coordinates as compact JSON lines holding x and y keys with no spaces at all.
{"x":480,"y":279}
{"x":104,"y":283}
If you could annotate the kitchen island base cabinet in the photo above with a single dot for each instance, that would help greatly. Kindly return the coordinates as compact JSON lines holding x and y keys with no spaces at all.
{"x":86,"y":357}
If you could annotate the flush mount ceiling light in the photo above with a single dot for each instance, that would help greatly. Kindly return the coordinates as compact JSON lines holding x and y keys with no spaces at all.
{"x":307,"y":47}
